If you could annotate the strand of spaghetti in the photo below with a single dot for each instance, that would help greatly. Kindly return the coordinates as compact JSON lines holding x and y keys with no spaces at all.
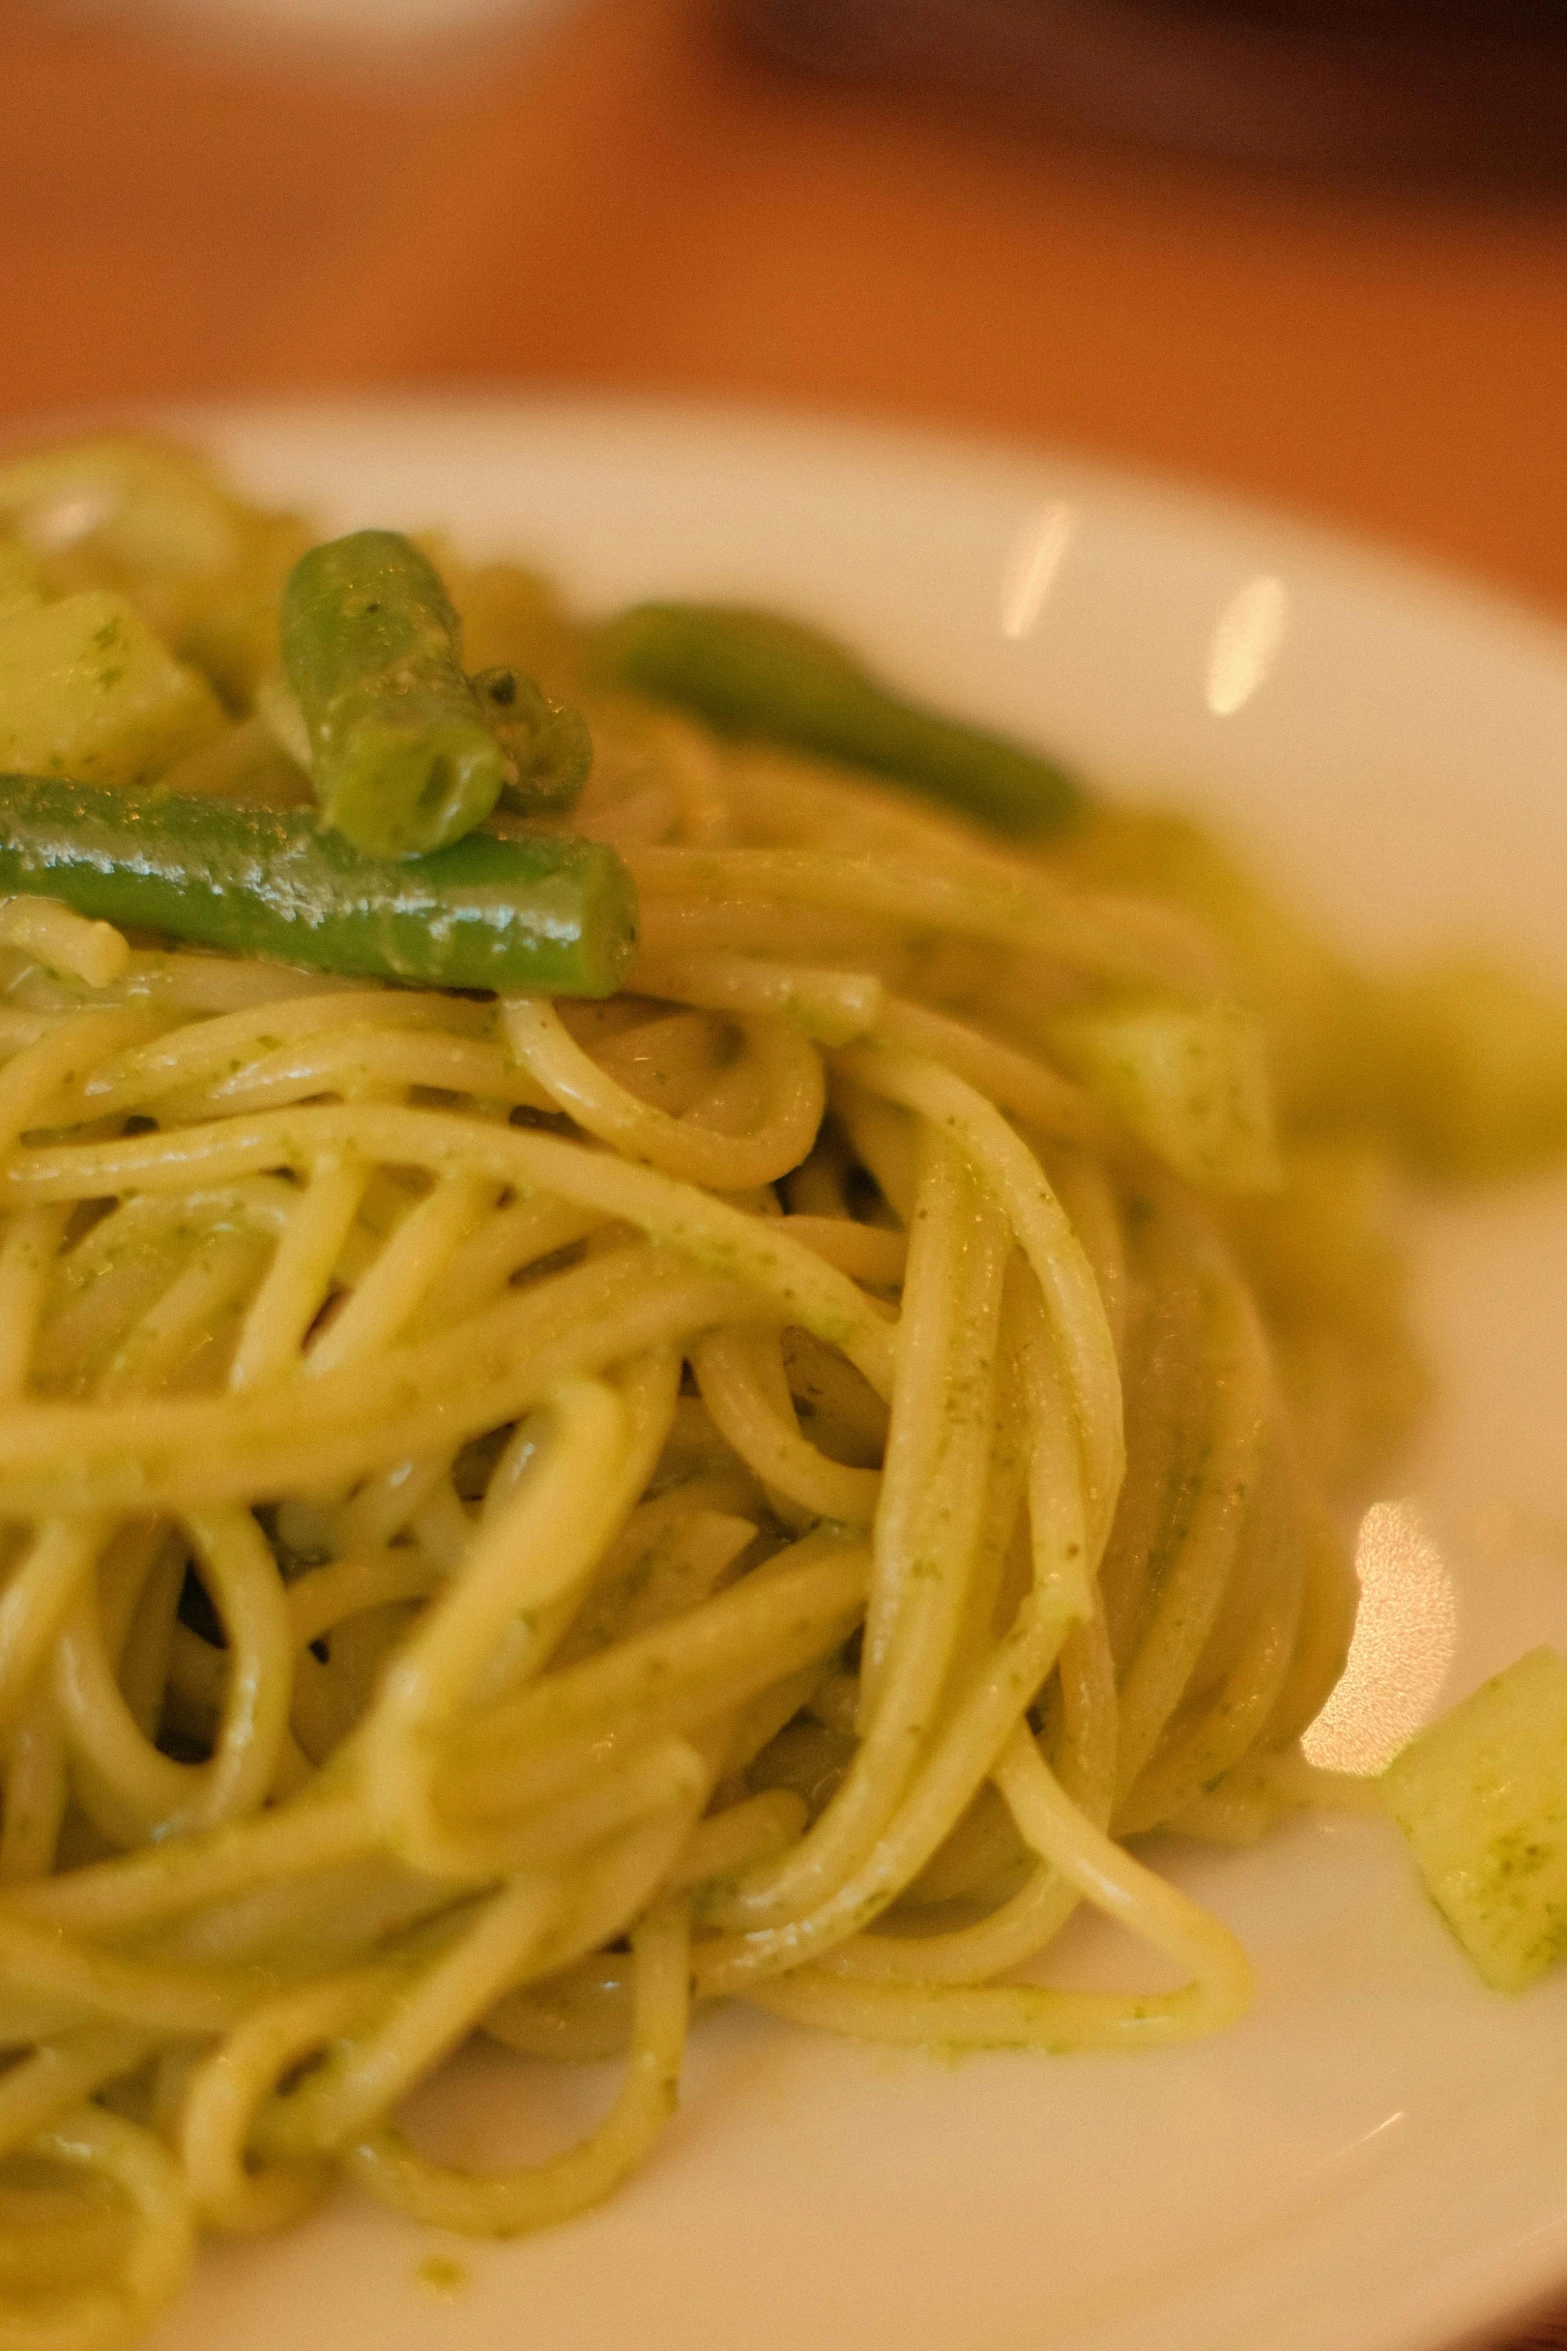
{"x":147,"y":1649}
{"x":230,"y":2189}
{"x":582,"y":2013}
{"x":956,"y":1767}
{"x":1086,"y":1191}
{"x":404,"y":1274}
{"x":19,"y":1029}
{"x":941,"y":1400}
{"x":32,"y":1078}
{"x":1011,"y":1173}
{"x":1016,"y":1082}
{"x":1003,"y":2016}
{"x":798,"y":1608}
{"x":291,"y":1292}
{"x":926,"y":1542}
{"x":27,"y":1261}
{"x":123,"y":1782}
{"x":103,"y":2147}
{"x":206,"y":1290}
{"x":667,"y":1775}
{"x":743,"y":1832}
{"x":510,"y":1240}
{"x":1085,"y":1765}
{"x":542,"y":1546}
{"x":36,"y":1961}
{"x":181,"y":982}
{"x":1230,"y":1720}
{"x":649,"y":1389}
{"x":671,"y":1056}
{"x":1003,"y":1684}
{"x":1013,"y":1932}
{"x":386,"y":1504}
{"x":37,"y":1600}
{"x":147,"y":1221}
{"x":1169,"y":1399}
{"x":1025,"y":909}
{"x":882,"y":1140}
{"x":538,"y":2195}
{"x":870,"y":1252}
{"x":424,"y":2021}
{"x":1327,"y":1617}
{"x":789,"y":1072}
{"x":668,"y":1558}
{"x":202,"y":1052}
{"x":37,"y":1790}
{"x":1195,"y":1570}
{"x":831,"y":1007}
{"x":725,"y":1363}
{"x":783,"y":931}
{"x":93,"y":952}
{"x":324,"y":1595}
{"x":716,"y":1236}
{"x":358,"y":1061}
{"x":1024,"y":1923}
{"x":308,"y":1926}
{"x":607,"y":1892}
{"x":1125,"y":1890}
{"x":413,"y":1400}
{"x":325,"y":1832}
{"x":59,"y":2074}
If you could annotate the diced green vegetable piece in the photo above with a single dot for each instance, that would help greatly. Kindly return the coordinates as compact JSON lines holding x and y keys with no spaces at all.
{"x":546,"y":915}
{"x":87,"y":690}
{"x":1482,"y":1799}
{"x":1323,"y":1032}
{"x":752,"y":673}
{"x":402,"y":758}
{"x":1190,"y":1081}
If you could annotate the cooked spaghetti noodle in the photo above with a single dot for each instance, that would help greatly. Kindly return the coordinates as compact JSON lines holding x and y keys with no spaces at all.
{"x":519,"y":1517}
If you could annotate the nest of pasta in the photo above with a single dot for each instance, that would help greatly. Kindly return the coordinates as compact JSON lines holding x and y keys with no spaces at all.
{"x":522,"y":1515}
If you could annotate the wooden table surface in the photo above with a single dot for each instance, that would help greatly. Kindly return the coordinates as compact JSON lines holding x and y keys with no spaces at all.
{"x":627,"y":201}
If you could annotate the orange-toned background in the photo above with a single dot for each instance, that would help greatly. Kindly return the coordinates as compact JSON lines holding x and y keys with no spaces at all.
{"x":627,"y":201}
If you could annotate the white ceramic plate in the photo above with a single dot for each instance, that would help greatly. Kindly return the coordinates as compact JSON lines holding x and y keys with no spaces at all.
{"x":1376,"y":2159}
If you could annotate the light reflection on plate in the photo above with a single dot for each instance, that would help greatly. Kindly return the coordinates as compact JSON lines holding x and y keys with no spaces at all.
{"x":1406,"y":1630}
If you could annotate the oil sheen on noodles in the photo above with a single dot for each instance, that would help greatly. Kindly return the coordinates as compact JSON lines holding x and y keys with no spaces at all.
{"x":521,"y":1517}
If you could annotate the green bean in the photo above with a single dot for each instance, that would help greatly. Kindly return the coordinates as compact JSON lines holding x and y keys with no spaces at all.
{"x":401,"y":758}
{"x":545,"y":915}
{"x":547,"y":742}
{"x":751,"y":673}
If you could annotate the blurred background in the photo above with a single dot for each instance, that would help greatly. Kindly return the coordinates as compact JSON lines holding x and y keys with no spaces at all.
{"x":1317,"y":253}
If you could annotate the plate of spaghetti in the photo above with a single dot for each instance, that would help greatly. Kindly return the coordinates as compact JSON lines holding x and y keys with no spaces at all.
{"x":781,"y":1341}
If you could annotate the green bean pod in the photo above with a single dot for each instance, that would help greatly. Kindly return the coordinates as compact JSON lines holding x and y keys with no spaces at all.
{"x":751,"y":673}
{"x":401,"y":757}
{"x":545,"y":915}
